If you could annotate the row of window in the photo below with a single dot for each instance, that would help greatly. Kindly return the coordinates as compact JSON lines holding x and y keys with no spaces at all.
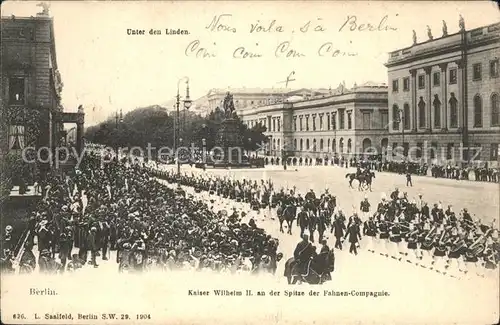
{"x":452,"y":77}
{"x":329,"y":146}
{"x":475,"y":153}
{"x":404,"y":115}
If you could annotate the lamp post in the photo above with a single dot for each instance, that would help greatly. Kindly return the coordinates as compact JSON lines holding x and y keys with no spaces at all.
{"x":187,"y":104}
{"x":118,"y":121}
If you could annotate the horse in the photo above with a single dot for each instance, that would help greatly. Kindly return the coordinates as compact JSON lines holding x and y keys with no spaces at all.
{"x":317,"y":271}
{"x":364,"y":179}
{"x":287,"y":213}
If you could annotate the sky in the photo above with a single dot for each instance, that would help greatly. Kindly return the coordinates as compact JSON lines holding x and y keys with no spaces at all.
{"x":103,"y":67}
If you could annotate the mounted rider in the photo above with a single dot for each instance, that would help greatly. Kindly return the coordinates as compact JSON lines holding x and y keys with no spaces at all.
{"x":302,"y":255}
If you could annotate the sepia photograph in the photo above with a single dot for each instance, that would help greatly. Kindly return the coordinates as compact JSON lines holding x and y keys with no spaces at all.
{"x":250,"y":162}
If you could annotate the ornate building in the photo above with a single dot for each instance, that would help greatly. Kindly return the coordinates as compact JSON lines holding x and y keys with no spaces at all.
{"x":444,"y":92}
{"x":32,"y":115}
{"x":345,"y":122}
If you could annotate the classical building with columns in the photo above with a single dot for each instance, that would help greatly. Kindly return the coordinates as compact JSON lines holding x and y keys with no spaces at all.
{"x":443,"y":94}
{"x":344,"y":123}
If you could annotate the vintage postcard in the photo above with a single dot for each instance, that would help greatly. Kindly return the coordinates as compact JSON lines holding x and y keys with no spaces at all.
{"x":249,"y":162}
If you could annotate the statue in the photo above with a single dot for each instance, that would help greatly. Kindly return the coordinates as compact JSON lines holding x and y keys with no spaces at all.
{"x":429,"y":33}
{"x":461,"y":23}
{"x":45,"y":9}
{"x":80,"y":109}
{"x":228,"y":105}
{"x":414,"y":37}
{"x":445,"y":29}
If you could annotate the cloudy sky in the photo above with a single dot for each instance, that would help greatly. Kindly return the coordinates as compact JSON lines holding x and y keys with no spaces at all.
{"x":103,"y":67}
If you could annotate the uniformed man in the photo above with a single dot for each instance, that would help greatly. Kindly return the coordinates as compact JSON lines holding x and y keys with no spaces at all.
{"x":365,"y":207}
{"x":370,"y":233}
{"x":302,"y":254}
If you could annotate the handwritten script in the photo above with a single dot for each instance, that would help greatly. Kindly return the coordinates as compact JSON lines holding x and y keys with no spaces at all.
{"x":227,"y":24}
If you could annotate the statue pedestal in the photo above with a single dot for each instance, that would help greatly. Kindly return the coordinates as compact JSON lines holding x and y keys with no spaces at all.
{"x":229,"y":141}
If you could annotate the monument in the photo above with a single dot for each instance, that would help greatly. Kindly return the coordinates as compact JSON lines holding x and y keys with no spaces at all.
{"x":229,"y":138}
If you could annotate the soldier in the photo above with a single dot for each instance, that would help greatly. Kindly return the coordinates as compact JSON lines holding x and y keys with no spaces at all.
{"x":365,"y":207}
{"x":408,"y":178}
{"x":92,"y":245}
{"x":66,"y":245}
{"x":370,"y":233}
{"x":302,"y":254}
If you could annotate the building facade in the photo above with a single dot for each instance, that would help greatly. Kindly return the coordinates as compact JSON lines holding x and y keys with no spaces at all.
{"x":346,"y":123}
{"x":32,"y":115}
{"x":443,"y":95}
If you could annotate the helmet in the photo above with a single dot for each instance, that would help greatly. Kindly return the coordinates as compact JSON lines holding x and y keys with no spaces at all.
{"x":8,"y":228}
{"x":127,"y":246}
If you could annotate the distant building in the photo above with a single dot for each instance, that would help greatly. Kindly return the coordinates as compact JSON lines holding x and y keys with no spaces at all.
{"x":249,"y":97}
{"x":445,"y":91}
{"x":32,"y":115}
{"x":346,"y":122}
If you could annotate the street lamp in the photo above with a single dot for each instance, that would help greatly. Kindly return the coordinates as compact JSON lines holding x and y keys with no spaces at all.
{"x":187,"y":104}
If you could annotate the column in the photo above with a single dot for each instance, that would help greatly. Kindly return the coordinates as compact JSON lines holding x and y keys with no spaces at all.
{"x":428,"y":88}
{"x":79,"y":137}
{"x":462,"y":112}
{"x":414,"y":103}
{"x":444,"y":96}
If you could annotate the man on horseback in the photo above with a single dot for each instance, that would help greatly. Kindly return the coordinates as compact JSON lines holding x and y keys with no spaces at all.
{"x":302,"y":255}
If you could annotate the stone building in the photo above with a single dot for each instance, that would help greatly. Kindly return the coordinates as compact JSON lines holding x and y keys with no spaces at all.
{"x":443,"y":94}
{"x":346,"y":122}
{"x":32,"y":114}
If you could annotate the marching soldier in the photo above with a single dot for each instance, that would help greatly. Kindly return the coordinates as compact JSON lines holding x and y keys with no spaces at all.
{"x":365,"y":207}
{"x":370,"y":233}
{"x":338,"y":226}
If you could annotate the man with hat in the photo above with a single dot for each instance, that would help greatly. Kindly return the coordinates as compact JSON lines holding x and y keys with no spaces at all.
{"x":365,"y":207}
{"x":354,"y":237}
{"x":92,"y":245}
{"x":302,"y":254}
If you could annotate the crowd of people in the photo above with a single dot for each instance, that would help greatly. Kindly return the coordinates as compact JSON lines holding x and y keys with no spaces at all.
{"x":151,"y":226}
{"x":450,"y":171}
{"x":124,"y":206}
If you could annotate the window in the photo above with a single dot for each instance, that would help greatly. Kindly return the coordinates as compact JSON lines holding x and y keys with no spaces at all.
{"x":16,"y":137}
{"x":394,"y":146}
{"x":449,"y":151}
{"x":300,"y":124}
{"x":384,"y":117}
{"x":453,"y":111}
{"x":341,"y":145}
{"x":494,"y":151}
{"x":367,"y":121}
{"x":406,"y":116}
{"x":437,"y":111}
{"x":321,"y":122}
{"x":476,"y":71}
{"x":436,"y":79}
{"x":349,"y":121}
{"x":495,"y":121}
{"x":453,"y":76}
{"x":314,"y":122}
{"x":421,"y":113}
{"x":434,"y":148}
{"x":406,"y":84}
{"x":395,"y":85}
{"x":307,"y":123}
{"x":341,"y":119}
{"x":294,"y":144}
{"x":478,"y":112}
{"x":307,"y":144}
{"x":16,"y":91}
{"x":301,"y":144}
{"x":279,"y":124}
{"x":314,"y":145}
{"x":295,"y":123}
{"x":328,"y":125}
{"x":421,"y":81}
{"x":334,"y":145}
{"x":494,"y":68}
{"x":251,"y":102}
{"x":334,"y":121}
{"x":279,"y":144}
{"x":274,"y":124}
{"x":406,"y":147}
{"x":420,"y":146}
{"x":349,"y":146}
{"x":395,"y":117}
{"x":321,"y":145}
